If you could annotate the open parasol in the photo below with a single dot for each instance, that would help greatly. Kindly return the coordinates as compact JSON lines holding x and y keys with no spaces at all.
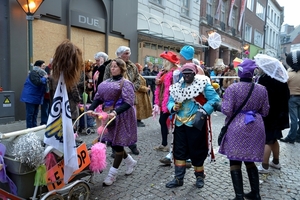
{"x":214,"y":40}
{"x":272,"y":67}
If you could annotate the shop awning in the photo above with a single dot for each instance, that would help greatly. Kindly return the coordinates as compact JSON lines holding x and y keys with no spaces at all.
{"x":158,"y":27}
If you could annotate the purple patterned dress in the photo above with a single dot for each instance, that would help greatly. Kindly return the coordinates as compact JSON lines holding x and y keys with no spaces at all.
{"x":245,"y":142}
{"x":124,"y":132}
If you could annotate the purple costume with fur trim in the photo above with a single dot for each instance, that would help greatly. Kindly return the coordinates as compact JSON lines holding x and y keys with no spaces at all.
{"x":124,"y":132}
{"x":244,"y":140}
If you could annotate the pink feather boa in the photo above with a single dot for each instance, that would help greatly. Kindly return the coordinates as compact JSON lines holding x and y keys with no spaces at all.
{"x":168,"y":79}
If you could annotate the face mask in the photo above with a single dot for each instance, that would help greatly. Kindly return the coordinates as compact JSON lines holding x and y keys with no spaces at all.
{"x":189,"y":78}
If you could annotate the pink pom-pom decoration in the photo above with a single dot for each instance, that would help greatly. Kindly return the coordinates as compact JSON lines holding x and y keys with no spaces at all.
{"x":98,"y":157}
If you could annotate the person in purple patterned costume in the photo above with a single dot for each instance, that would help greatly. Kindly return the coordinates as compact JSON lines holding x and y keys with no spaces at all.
{"x":124,"y":131}
{"x":245,"y":137}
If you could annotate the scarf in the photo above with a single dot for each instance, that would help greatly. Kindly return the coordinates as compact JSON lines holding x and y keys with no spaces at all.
{"x":162,"y":91}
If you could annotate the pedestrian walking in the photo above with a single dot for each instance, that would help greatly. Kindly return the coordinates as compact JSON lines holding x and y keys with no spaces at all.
{"x":143,"y":104}
{"x":163,"y":81}
{"x":190,"y":95}
{"x":124,"y":130}
{"x":278,"y":117}
{"x":131,"y":74}
{"x":293,"y":60}
{"x":35,"y":87}
{"x":244,"y":140}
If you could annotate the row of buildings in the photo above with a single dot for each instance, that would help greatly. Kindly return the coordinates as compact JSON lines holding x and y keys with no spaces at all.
{"x":148,"y":27}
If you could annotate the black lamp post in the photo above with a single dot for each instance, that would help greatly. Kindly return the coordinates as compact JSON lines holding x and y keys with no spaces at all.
{"x":30,"y":7}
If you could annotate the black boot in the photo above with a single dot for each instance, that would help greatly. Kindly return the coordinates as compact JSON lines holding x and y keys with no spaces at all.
{"x":134,"y":149}
{"x":178,"y":179}
{"x":199,"y":179}
{"x":237,"y":181}
{"x":254,"y":184}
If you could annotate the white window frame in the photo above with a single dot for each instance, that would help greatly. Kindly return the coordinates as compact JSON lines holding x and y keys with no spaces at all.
{"x":260,"y":11}
{"x":250,"y":4}
{"x":185,"y":8}
{"x":248,"y":32}
{"x":258,"y":38}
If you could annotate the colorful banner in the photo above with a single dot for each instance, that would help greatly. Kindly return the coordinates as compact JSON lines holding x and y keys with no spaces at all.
{"x":59,"y":131}
{"x":230,"y":13}
{"x":243,"y":6}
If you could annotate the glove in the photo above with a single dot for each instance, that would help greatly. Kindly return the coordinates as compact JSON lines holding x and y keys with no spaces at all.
{"x":155,"y":111}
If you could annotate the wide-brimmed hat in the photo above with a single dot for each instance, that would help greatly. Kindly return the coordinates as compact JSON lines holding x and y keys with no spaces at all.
{"x":170,"y":56}
{"x":246,"y":68}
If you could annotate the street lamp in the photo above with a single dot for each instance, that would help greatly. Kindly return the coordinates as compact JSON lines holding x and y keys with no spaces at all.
{"x":30,"y":7}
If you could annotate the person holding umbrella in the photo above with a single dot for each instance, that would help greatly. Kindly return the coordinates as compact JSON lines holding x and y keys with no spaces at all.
{"x":277,"y":119}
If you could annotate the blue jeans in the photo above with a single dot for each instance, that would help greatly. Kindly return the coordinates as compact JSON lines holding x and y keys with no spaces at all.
{"x":32,"y":111}
{"x":294,"y":109}
{"x":45,"y":110}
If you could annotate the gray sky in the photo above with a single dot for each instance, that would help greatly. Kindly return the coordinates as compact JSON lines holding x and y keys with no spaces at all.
{"x":291,"y":11}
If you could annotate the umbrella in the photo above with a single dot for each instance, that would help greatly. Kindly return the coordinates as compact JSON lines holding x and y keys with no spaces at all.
{"x":272,"y":67}
{"x":214,"y":40}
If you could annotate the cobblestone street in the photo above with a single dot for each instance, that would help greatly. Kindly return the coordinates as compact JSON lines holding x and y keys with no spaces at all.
{"x":149,"y":178}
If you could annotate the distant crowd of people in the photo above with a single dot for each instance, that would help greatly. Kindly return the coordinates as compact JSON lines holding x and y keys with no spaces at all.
{"x":181,"y":91}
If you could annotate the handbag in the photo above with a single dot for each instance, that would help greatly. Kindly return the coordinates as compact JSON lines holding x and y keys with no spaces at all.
{"x":225,"y":127}
{"x":199,"y":120}
{"x":109,"y":109}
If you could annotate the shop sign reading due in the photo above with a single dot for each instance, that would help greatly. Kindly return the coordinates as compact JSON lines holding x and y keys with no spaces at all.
{"x":88,"y":20}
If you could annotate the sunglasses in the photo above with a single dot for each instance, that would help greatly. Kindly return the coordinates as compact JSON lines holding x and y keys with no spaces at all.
{"x":188,"y":74}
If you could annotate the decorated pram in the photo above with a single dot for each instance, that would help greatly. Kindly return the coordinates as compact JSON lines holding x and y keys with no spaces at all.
{"x":21,"y":153}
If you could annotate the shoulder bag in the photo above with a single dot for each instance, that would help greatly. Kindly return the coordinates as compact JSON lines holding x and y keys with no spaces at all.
{"x":225,"y":127}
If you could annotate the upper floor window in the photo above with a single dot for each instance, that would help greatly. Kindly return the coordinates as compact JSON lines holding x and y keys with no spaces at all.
{"x":260,"y":11}
{"x":258,"y":39}
{"x":209,"y":7}
{"x":185,"y":7}
{"x":271,"y":17}
{"x":248,"y":33}
{"x":233,"y":23}
{"x":250,"y":4}
{"x":222,"y":11}
{"x":157,"y":1}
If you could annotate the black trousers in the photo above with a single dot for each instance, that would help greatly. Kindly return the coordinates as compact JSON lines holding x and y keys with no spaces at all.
{"x":164,"y":127}
{"x":191,"y":143}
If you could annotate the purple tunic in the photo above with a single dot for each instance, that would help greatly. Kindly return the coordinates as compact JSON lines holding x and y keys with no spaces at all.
{"x":124,"y":133}
{"x":244,"y":142}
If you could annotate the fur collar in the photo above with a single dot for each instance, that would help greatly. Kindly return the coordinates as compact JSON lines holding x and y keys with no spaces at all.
{"x":180,"y":93}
